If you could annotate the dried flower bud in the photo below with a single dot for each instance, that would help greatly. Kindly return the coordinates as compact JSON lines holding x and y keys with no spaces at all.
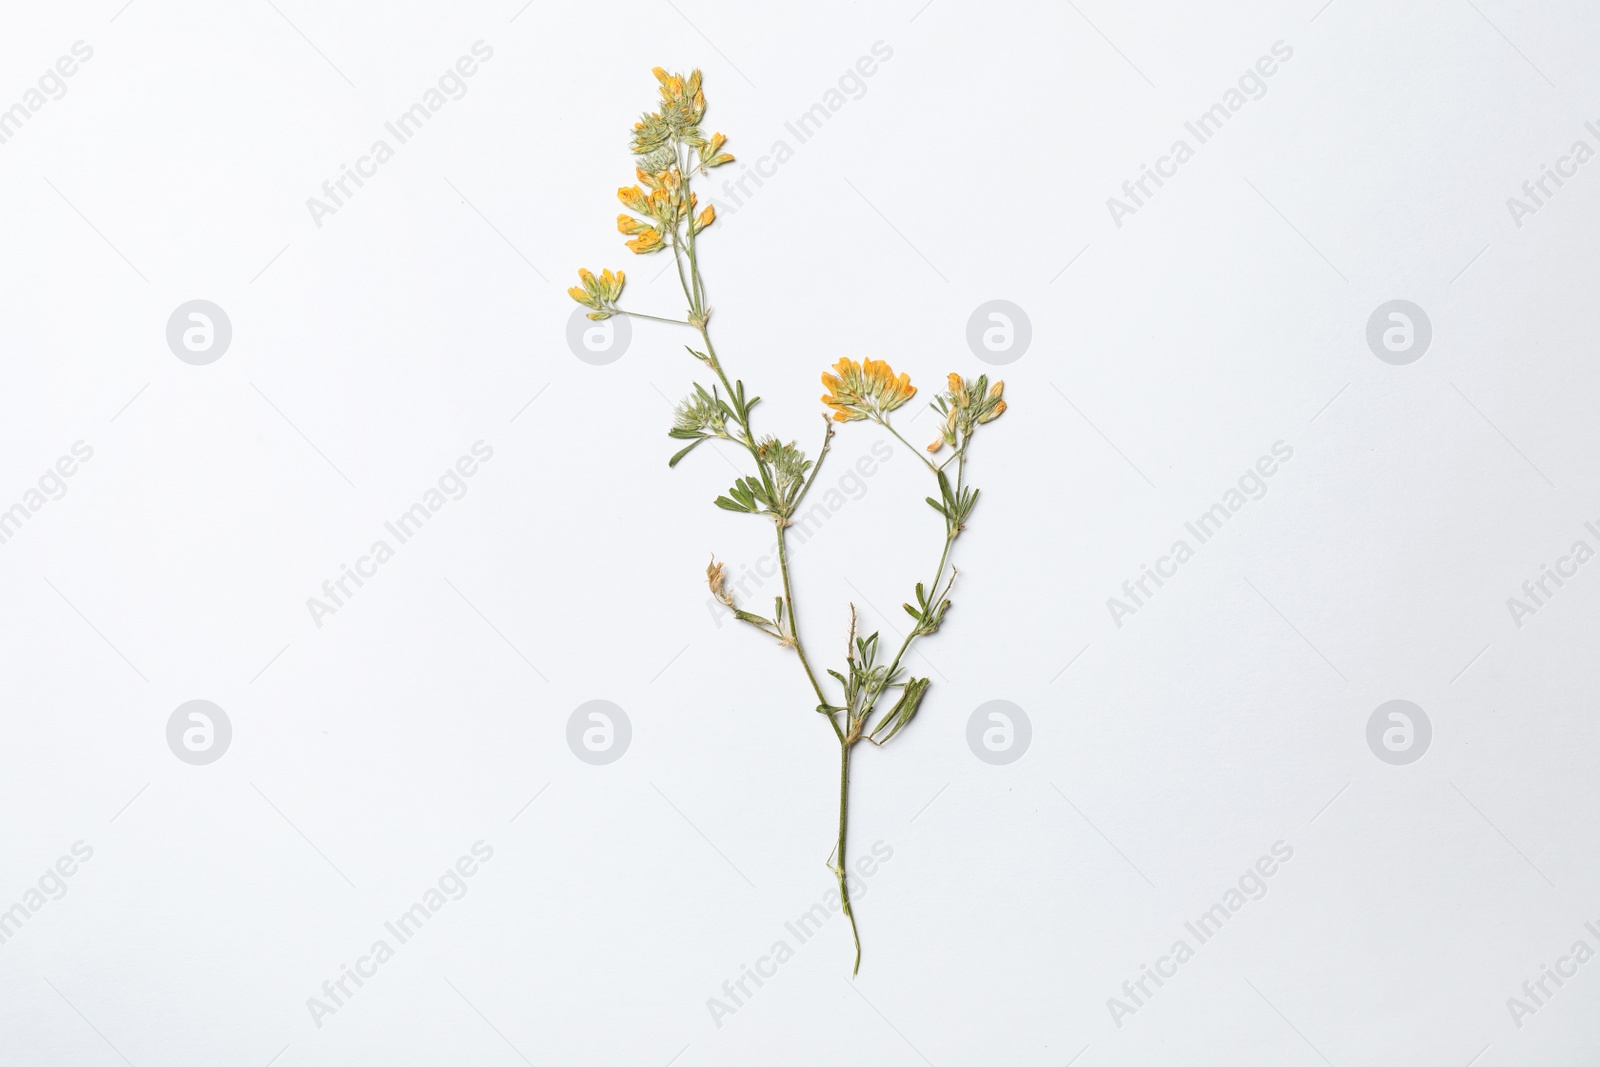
{"x":716,"y":575}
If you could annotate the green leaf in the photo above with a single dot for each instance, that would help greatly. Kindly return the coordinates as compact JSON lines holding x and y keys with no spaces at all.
{"x":903,"y":710}
{"x":673,"y":462}
{"x":728,"y":505}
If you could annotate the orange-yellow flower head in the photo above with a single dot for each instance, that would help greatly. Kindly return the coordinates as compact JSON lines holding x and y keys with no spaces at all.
{"x":599,"y":293}
{"x":866,"y":390}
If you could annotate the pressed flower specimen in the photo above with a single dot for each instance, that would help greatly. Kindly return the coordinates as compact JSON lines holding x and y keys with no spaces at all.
{"x":875,"y":698}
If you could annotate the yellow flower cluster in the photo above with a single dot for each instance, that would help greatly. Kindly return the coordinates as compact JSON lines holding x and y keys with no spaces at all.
{"x":599,"y":293}
{"x":966,"y":404}
{"x":665,"y":204}
{"x":671,"y":214}
{"x":866,"y":390}
{"x":683,"y":105}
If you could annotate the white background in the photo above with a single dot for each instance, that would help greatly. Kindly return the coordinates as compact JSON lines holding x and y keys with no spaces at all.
{"x":1168,"y":354}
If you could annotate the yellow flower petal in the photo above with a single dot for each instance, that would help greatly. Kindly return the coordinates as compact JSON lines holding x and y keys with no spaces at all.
{"x":633,"y":197}
{"x":648,"y":241}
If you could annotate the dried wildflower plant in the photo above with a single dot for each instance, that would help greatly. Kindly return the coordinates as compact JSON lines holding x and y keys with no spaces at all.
{"x":876,"y":699}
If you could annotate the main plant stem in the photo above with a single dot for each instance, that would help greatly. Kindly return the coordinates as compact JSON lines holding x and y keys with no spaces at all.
{"x":840,"y":871}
